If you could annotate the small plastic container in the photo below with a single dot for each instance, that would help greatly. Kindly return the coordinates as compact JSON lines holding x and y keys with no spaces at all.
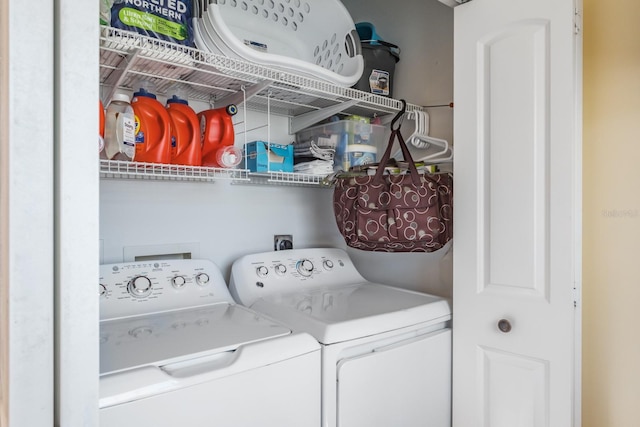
{"x":345,"y":133}
{"x":380,"y":58}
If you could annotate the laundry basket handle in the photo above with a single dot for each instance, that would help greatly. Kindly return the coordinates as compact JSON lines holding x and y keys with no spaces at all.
{"x":352,"y":44}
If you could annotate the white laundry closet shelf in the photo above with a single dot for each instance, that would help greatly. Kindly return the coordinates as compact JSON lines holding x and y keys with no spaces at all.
{"x":159,"y":171}
{"x":126,"y":57}
{"x":115,"y":169}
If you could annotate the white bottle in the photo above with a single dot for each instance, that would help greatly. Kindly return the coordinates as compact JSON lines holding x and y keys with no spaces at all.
{"x":119,"y":129}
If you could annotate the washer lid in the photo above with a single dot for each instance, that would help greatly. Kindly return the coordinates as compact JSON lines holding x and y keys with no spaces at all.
{"x":333,"y":315}
{"x":168,"y":337}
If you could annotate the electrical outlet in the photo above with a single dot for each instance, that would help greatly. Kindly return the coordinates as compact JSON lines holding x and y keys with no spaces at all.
{"x":282,"y":242}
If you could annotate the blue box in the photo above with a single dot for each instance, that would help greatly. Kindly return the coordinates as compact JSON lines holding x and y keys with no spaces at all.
{"x":265,"y":157}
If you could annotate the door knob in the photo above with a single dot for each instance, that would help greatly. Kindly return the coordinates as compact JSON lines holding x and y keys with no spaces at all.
{"x":504,"y":325}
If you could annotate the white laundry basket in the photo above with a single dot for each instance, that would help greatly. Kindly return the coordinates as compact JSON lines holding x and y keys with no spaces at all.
{"x":316,"y":38}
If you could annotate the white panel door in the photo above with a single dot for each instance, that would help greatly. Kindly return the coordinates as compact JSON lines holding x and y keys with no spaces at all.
{"x":516,"y":258}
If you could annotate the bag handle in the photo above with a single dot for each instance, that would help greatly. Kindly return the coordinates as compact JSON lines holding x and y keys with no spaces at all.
{"x":395,"y":134}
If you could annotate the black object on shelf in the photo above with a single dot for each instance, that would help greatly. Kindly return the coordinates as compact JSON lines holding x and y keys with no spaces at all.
{"x":380,"y":58}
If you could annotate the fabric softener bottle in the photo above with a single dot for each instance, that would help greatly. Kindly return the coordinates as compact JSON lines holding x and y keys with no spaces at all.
{"x":119,"y":129}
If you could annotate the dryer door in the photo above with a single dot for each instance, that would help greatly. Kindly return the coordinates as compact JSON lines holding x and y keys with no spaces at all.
{"x":405,"y":384}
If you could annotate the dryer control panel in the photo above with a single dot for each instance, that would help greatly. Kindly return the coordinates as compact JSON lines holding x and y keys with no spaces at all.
{"x":136,"y":288}
{"x":269,"y":273}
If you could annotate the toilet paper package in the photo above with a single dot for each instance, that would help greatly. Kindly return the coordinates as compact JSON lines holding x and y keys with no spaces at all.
{"x":168,"y":20}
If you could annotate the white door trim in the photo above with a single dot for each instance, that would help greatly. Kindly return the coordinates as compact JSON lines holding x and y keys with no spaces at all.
{"x":577,"y":208}
{"x":76,"y":212}
{"x":26,"y":213}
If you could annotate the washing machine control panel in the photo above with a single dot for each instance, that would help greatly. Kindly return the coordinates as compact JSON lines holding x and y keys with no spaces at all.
{"x":136,"y":288}
{"x":259,"y":275}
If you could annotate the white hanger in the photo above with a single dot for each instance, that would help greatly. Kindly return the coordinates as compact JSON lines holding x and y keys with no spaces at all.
{"x":420,"y":139}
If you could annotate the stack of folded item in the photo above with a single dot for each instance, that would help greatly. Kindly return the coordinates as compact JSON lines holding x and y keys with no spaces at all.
{"x":314,"y":157}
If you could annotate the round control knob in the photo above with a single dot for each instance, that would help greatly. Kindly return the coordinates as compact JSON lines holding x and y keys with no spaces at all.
{"x":504,"y":325}
{"x":281,"y":269}
{"x":103,"y":290}
{"x":304,"y":267}
{"x":262,"y":271}
{"x":178,"y":282}
{"x":139,"y":287}
{"x":328,"y":264}
{"x":202,"y":279}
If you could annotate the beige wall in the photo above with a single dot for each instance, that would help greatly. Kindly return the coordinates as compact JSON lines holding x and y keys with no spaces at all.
{"x":611,"y":295}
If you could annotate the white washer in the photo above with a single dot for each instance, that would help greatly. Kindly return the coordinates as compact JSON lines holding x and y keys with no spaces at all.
{"x":175,"y":350}
{"x":386,"y":352}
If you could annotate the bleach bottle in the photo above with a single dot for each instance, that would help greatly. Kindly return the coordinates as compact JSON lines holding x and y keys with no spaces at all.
{"x":218,"y":137}
{"x":186,"y":145}
{"x":119,"y":129}
{"x":153,"y":129}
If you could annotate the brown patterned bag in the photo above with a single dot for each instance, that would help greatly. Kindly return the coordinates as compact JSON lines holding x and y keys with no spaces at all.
{"x":411,"y":212}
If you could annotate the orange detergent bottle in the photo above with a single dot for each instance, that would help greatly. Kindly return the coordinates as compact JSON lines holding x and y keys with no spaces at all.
{"x":101,"y":130}
{"x":216,"y":126}
{"x":186,"y":145}
{"x":101,"y":119}
{"x":153,"y":137}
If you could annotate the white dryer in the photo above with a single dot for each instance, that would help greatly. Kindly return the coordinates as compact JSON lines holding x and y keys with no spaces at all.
{"x":386,"y":352}
{"x":175,"y":350}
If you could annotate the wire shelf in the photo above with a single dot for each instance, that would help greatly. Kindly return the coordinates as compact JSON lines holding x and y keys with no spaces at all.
{"x":285,"y":179}
{"x":126,"y":56}
{"x":115,"y":169}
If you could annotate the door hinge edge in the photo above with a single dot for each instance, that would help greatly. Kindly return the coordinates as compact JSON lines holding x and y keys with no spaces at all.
{"x":577,"y":21}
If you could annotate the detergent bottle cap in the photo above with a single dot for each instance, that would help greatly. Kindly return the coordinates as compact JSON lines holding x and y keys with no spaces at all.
{"x":232,"y":110}
{"x":147,"y":88}
{"x":121,"y":97}
{"x":175,"y":99}
{"x":180,"y":94}
{"x":143,"y":92}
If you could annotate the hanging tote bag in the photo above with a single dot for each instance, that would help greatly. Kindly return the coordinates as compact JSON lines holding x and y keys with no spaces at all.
{"x":411,"y":212}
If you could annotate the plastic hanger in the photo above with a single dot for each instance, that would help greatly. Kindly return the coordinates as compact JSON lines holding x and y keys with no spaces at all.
{"x":420,"y":139}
